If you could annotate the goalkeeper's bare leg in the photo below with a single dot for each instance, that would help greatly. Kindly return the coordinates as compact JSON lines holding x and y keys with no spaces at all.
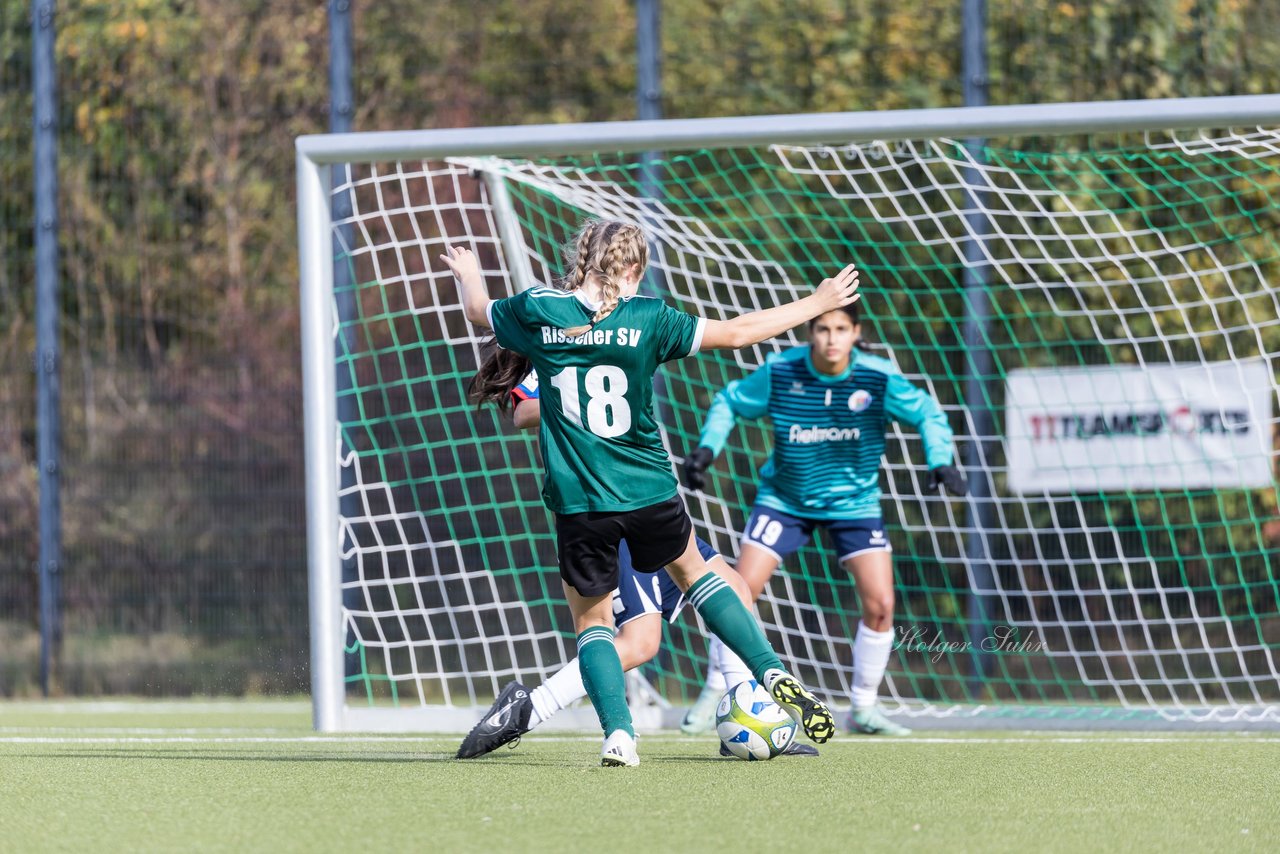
{"x":872,"y":573}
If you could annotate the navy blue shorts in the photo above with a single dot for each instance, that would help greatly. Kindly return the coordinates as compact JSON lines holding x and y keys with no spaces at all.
{"x":781,"y":534}
{"x":641,"y":593}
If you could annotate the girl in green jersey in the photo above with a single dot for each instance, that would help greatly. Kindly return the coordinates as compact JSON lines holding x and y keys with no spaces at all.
{"x":596,"y":346}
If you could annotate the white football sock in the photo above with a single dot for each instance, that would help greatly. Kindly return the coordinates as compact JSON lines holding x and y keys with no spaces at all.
{"x":729,"y":666}
{"x":870,"y":658}
{"x":715,"y":679}
{"x":561,"y":688}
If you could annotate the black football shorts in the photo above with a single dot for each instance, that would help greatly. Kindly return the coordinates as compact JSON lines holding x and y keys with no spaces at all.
{"x":588,"y":543}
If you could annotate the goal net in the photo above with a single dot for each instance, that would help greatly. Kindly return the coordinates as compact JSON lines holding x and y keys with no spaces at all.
{"x":1096,"y":312}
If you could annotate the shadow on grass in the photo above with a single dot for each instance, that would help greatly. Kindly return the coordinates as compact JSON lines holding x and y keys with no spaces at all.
{"x":503,"y":761}
{"x":590,"y":760}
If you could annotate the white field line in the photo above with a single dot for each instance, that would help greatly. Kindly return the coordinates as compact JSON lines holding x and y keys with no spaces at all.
{"x":122,"y":730}
{"x":166,"y":707}
{"x":377,"y":739}
{"x":247,"y":739}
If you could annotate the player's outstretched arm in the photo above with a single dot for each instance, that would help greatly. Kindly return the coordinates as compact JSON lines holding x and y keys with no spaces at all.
{"x":747,"y":329}
{"x":466,"y":269}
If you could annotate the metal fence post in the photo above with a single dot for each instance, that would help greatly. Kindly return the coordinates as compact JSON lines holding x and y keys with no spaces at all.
{"x":980,"y":365}
{"x":341,"y":114}
{"x":48,"y":392}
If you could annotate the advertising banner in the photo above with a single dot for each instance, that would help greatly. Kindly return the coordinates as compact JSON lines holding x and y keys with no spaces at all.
{"x":1119,"y":427}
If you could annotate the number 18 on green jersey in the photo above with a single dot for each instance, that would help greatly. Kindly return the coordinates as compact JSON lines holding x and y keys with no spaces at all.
{"x":600,"y":443}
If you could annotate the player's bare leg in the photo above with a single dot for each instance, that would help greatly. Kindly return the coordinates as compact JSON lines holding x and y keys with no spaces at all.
{"x":756,"y":566}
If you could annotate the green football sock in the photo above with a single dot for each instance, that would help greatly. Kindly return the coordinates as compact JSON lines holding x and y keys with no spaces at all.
{"x":729,"y":620}
{"x":602,"y":677}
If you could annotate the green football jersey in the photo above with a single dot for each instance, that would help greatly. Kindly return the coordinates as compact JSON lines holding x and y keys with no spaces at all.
{"x":601,"y":449}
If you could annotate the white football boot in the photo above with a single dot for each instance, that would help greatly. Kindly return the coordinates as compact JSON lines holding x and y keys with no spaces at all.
{"x":619,"y":750}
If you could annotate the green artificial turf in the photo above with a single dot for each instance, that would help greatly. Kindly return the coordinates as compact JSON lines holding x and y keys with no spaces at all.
{"x":237,"y":777}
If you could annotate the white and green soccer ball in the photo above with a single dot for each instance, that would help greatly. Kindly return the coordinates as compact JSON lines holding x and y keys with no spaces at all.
{"x":751,"y":725}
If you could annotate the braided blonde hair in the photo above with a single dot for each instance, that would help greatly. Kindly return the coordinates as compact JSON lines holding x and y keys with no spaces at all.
{"x":604,"y":249}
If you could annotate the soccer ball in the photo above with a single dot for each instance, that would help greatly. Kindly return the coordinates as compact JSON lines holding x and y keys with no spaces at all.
{"x":751,"y":725}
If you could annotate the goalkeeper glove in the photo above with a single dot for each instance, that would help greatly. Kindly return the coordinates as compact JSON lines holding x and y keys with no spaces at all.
{"x":948,"y":476}
{"x":695,"y":467}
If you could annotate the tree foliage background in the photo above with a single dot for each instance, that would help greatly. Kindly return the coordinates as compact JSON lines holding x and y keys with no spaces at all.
{"x":184,"y":559}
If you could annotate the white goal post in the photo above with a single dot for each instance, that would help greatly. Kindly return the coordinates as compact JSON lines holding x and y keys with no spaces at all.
{"x":1135,"y":245}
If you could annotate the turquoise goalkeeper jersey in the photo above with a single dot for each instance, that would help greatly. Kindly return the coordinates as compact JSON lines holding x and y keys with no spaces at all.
{"x":828,"y":431}
{"x":601,"y":449}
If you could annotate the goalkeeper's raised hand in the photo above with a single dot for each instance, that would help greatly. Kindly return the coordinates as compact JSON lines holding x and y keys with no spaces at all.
{"x":695,"y":467}
{"x":950,"y":477}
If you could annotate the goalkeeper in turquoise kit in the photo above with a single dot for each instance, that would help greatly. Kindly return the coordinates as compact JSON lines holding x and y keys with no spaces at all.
{"x":829,"y":403}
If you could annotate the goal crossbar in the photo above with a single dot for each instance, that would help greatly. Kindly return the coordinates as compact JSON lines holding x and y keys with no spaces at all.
{"x":632,"y":136}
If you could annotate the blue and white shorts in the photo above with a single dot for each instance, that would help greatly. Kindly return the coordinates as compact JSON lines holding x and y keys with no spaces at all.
{"x":782,"y":534}
{"x":641,"y":593}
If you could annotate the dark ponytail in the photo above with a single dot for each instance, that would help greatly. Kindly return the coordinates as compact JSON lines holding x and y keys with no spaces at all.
{"x":855,"y":317}
{"x":501,"y":371}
